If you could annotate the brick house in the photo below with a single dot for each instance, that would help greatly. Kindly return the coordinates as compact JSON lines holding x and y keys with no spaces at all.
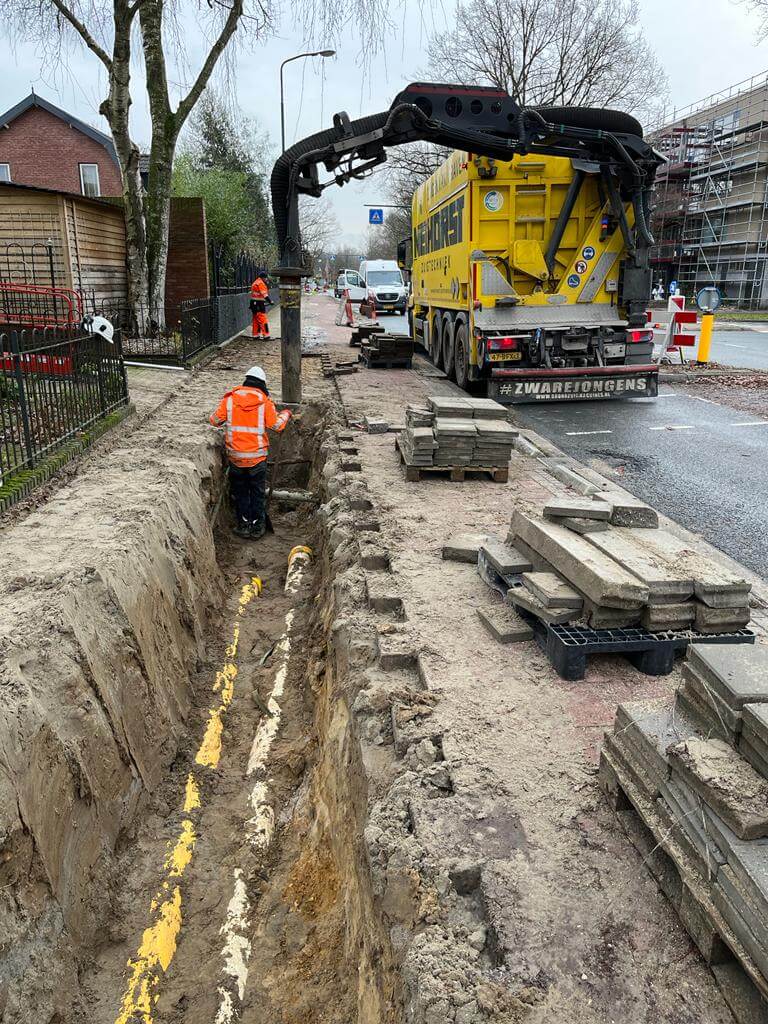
{"x":44,"y":146}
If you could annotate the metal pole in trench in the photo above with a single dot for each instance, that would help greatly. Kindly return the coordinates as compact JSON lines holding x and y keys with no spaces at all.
{"x":290,"y":272}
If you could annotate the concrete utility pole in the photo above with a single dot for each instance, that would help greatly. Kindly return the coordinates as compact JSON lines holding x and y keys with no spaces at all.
{"x":290,"y":272}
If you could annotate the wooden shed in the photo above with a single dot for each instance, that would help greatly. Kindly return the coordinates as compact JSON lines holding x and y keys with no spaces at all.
{"x":60,"y":240}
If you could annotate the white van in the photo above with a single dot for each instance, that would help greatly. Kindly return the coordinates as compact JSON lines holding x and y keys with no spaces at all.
{"x":384,"y":280}
{"x":351,"y":281}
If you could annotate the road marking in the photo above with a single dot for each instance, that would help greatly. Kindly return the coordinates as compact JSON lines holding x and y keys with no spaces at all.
{"x":260,"y":827}
{"x":584,"y":433}
{"x":752,"y":423}
{"x":159,"y":941}
{"x":673,"y":426}
{"x":668,"y":394}
{"x":698,"y":398}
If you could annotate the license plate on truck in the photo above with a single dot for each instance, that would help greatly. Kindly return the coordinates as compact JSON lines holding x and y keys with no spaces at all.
{"x":517,"y":387}
{"x":503,"y":357}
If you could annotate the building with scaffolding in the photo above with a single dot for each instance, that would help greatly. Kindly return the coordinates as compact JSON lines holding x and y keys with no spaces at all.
{"x":711,"y":205}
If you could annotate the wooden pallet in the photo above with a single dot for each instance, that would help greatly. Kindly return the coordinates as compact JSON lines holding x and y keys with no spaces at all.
{"x":456,"y":474}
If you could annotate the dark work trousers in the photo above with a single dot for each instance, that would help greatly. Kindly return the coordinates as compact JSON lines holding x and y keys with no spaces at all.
{"x":247,"y":487}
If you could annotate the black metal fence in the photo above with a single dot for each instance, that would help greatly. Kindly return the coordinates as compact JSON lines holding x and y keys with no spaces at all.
{"x":53,"y":386}
{"x":232,"y":273}
{"x":175,"y":334}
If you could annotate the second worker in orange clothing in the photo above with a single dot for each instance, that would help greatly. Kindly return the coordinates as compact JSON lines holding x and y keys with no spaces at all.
{"x":259,"y":300}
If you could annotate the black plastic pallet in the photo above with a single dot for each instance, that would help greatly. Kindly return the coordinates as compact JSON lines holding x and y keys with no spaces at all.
{"x":568,"y":647}
{"x":386,"y":364}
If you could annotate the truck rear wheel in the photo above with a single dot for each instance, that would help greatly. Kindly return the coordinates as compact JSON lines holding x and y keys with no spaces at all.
{"x":436,"y":341}
{"x":461,"y":354}
{"x":447,"y":346}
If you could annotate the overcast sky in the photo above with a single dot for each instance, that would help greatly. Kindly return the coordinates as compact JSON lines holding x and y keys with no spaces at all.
{"x":705,"y":45}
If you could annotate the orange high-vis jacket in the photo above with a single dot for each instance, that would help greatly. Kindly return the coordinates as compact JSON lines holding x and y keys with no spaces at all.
{"x":248,"y":413}
{"x":259,"y":290}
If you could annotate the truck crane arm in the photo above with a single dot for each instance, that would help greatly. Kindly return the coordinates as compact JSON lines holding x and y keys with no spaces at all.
{"x":482,"y":120}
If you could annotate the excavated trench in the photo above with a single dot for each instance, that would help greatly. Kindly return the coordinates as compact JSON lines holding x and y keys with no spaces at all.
{"x":141,"y":877}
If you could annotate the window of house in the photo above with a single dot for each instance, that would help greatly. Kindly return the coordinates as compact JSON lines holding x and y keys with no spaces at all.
{"x":89,"y":180}
{"x":5,"y":172}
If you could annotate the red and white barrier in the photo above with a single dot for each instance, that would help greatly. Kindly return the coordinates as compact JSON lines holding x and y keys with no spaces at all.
{"x":675,"y":326}
{"x":345,"y":310}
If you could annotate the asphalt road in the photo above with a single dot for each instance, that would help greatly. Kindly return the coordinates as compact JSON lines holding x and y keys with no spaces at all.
{"x":700,"y":463}
{"x":741,"y":348}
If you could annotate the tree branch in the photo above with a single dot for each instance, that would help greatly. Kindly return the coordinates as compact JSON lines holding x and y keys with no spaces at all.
{"x":84,"y":34}
{"x":227,"y":31}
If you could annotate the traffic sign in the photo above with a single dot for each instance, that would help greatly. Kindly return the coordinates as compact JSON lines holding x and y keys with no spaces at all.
{"x":375,"y":216}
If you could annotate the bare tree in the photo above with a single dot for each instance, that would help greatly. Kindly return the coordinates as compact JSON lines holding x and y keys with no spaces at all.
{"x":319,"y":226}
{"x":111,"y":29}
{"x":406,"y":168}
{"x":761,"y":9}
{"x":546,"y":53}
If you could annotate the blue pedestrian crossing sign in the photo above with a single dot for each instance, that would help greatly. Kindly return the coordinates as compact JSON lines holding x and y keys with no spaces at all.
{"x":375,"y":216}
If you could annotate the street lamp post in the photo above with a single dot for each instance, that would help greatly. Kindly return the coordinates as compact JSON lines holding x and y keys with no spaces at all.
{"x":312,"y":53}
{"x":290,"y":278}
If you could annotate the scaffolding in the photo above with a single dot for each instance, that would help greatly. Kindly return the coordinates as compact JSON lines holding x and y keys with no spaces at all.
{"x":710,"y":216}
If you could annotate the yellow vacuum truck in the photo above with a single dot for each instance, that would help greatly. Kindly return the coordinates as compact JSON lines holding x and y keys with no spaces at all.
{"x":517,"y":273}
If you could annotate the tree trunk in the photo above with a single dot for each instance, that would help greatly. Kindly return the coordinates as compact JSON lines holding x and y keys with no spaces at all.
{"x":116,"y":108}
{"x":158,"y":213}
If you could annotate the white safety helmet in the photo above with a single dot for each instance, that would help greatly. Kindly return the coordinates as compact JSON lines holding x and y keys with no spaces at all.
{"x":258,"y":373}
{"x":99,"y":325}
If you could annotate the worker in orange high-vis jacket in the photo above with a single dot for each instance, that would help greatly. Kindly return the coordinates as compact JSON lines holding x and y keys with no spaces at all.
{"x":247,"y":413}
{"x":259,"y":299}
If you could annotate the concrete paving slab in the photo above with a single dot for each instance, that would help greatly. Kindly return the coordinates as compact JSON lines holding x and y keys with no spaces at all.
{"x":629,"y":511}
{"x":522,"y":598}
{"x":738,"y":672}
{"x":720,"y":620}
{"x":659,"y":617}
{"x":687,"y":817}
{"x":653,"y":726}
{"x":463,"y":547}
{"x":709,"y":578}
{"x":587,"y":568}
{"x":756,"y":720}
{"x":717,"y":716}
{"x":599,"y":617}
{"x":504,"y":558}
{"x":551,"y":590}
{"x":726,"y":782}
{"x":581,"y":509}
{"x":758,"y":758}
{"x":584,"y":526}
{"x":739,"y":992}
{"x":505,"y":625}
{"x":741,"y":914}
{"x":661,"y":578}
